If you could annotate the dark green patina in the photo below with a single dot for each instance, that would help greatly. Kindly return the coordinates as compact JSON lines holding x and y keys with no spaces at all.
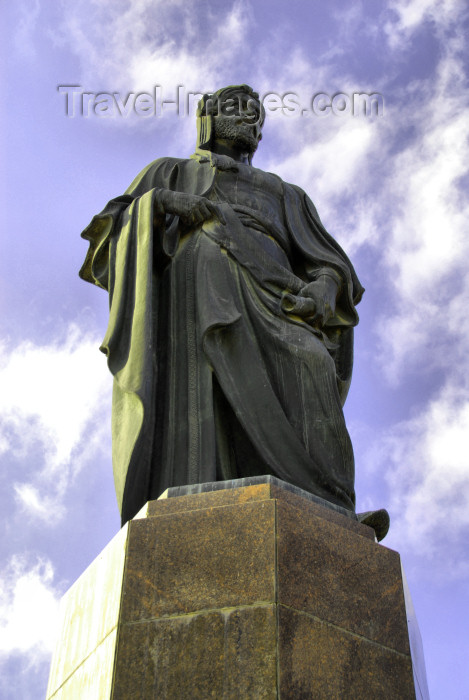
{"x":232,"y":310}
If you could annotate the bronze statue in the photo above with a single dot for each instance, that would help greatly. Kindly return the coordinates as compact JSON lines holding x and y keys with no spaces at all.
{"x":232,"y":309}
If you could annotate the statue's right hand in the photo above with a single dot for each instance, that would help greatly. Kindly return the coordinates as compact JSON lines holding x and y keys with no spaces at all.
{"x":192,"y":209}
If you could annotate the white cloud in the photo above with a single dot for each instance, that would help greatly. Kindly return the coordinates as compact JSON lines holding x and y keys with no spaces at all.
{"x":50,"y":416}
{"x":40,"y":505}
{"x":430,"y":233}
{"x":332,"y":166}
{"x":411,"y":14}
{"x":132,"y":47}
{"x":397,"y":184}
{"x":149,"y":42}
{"x":427,"y":244}
{"x":348,"y":144}
{"x":426,"y":462}
{"x":29,"y":606}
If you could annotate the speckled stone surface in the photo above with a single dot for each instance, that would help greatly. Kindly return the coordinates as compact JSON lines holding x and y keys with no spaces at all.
{"x":340,"y":578}
{"x":267,"y":479}
{"x":217,"y":654}
{"x":202,"y":559}
{"x":208,"y":499}
{"x":248,"y":592}
{"x":271,"y":489}
{"x":309,"y":508}
{"x":319,"y":661}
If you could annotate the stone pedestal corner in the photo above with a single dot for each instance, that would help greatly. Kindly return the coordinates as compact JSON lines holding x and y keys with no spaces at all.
{"x":252,"y":591}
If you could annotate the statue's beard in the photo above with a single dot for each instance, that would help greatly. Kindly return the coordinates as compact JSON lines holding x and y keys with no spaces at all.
{"x":241,"y":135}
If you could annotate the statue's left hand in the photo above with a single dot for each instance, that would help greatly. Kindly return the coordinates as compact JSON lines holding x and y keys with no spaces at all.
{"x":323,"y":292}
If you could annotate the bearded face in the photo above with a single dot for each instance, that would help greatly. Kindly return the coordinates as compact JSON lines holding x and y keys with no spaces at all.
{"x":238,"y":130}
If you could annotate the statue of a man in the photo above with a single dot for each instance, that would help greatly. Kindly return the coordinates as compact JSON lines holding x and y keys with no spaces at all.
{"x":231,"y":320}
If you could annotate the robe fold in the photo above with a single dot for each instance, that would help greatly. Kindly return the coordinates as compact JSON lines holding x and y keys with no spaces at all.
{"x":213,"y":377}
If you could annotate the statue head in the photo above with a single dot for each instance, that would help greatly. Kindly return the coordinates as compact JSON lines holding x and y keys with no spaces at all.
{"x":233,"y":113}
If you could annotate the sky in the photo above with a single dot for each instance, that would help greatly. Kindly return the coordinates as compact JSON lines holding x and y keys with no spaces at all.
{"x":390,"y":187}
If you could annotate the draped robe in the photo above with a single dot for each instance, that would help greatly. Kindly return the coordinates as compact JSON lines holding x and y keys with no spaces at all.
{"x":214,"y":377}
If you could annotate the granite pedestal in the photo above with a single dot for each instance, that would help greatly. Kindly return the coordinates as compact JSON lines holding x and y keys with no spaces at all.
{"x":252,"y":591}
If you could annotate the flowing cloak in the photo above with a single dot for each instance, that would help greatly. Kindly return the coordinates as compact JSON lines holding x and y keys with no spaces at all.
{"x":195,"y":328}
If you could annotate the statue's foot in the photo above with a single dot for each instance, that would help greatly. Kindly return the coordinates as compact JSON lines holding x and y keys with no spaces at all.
{"x":378,"y":520}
